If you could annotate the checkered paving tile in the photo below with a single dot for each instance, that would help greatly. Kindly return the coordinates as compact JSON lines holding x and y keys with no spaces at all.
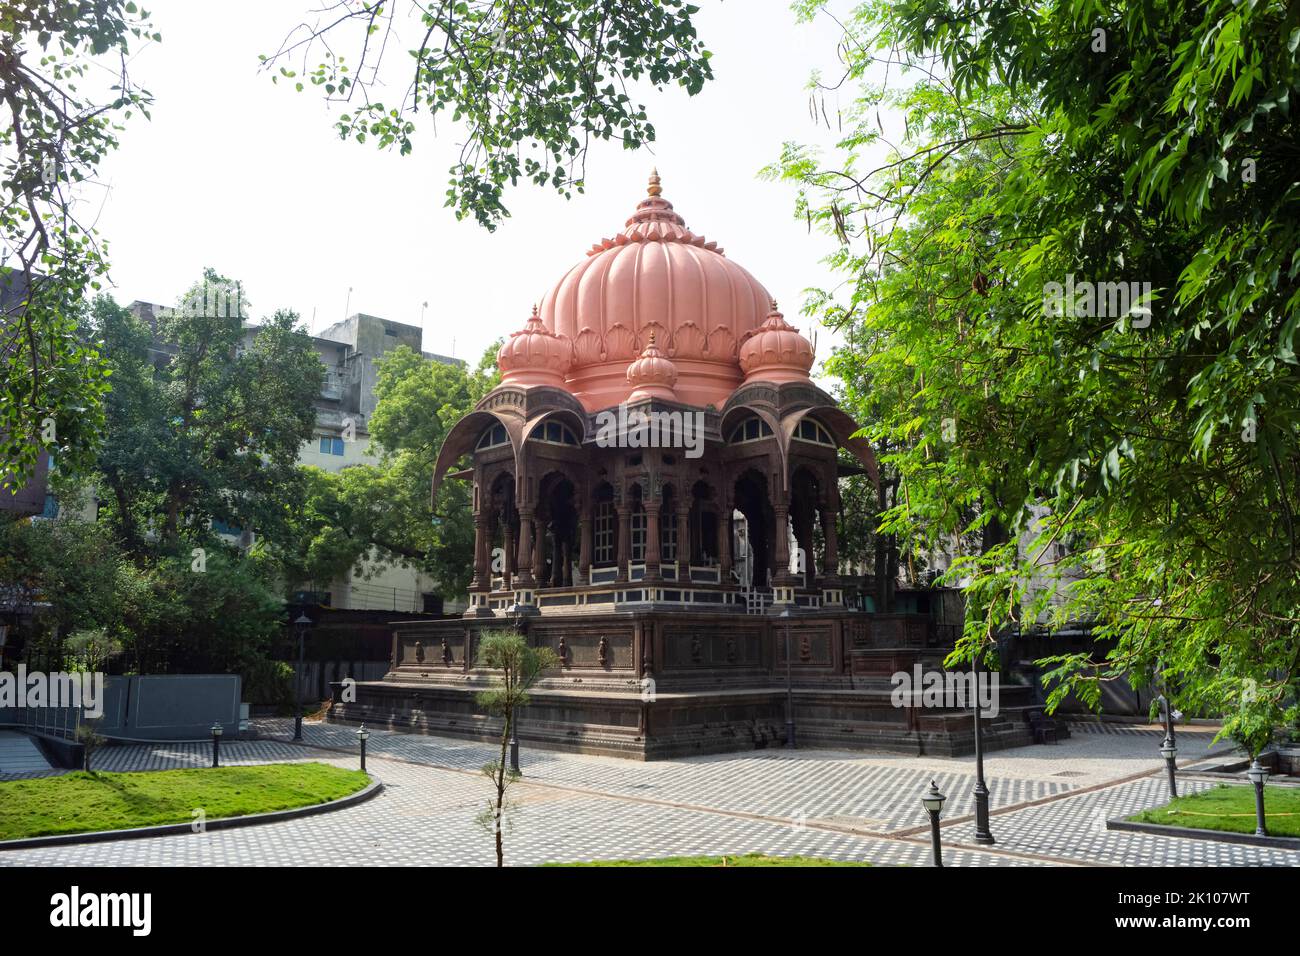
{"x":574,"y":807}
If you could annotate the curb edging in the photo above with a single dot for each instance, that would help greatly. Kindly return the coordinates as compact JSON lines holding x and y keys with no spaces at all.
{"x":1195,"y":833}
{"x":221,"y":823}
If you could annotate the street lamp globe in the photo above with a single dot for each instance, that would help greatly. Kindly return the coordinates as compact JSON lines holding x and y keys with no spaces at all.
{"x":933,"y":800}
{"x":1257,"y":774}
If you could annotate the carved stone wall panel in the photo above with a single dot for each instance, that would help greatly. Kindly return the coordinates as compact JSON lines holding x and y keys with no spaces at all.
{"x":582,"y":645}
{"x":808,"y":645}
{"x":432,"y":650}
{"x":700,"y":646}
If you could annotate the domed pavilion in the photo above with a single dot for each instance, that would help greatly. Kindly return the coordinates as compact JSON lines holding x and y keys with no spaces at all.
{"x":655,"y":492}
{"x":730,"y":500}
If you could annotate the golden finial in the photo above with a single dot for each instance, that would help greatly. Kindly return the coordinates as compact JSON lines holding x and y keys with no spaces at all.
{"x":652,"y":338}
{"x":654,"y":189}
{"x":535,"y":310}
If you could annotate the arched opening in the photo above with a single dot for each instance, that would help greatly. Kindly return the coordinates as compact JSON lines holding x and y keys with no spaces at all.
{"x":702,"y":526}
{"x":503,"y":529}
{"x":557,"y":532}
{"x":752,"y":500}
{"x":805,"y":493}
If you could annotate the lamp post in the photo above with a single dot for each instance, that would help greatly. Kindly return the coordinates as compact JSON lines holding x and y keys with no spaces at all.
{"x":983,"y":834}
{"x":516,"y":613}
{"x":1168,"y":747}
{"x":1257,"y":775}
{"x":216,"y":745}
{"x":933,"y":801}
{"x":789,"y":685}
{"x":363,"y":735}
{"x":302,"y":623}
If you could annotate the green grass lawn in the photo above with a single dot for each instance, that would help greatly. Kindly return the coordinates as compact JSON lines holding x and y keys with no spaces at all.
{"x":1232,"y":809}
{"x":748,"y":859}
{"x":84,"y":802}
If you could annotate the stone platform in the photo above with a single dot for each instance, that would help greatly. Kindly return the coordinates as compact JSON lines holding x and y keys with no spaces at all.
{"x":648,"y":684}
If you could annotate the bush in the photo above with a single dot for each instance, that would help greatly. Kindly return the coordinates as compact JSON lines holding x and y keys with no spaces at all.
{"x":268,"y":683}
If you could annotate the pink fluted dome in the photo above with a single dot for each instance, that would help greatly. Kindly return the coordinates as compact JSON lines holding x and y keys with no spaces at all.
{"x":655,"y":276}
{"x":776,"y":352}
{"x":534,"y":355}
{"x":652,"y":375}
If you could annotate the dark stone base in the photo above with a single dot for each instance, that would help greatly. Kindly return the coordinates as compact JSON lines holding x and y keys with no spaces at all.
{"x":717,"y":685}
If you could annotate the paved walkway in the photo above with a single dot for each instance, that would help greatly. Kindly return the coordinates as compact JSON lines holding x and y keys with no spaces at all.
{"x":1050,"y":803}
{"x":19,"y":755}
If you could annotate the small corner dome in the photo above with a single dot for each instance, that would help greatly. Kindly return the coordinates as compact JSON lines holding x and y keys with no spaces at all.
{"x":534,"y":355}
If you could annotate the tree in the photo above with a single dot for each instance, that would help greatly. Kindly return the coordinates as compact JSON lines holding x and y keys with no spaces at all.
{"x":211,"y":434}
{"x":72,"y":569}
{"x":1144,"y":438}
{"x":531,"y":82}
{"x":205,"y":427}
{"x":55,"y":135}
{"x":383,"y":509}
{"x":521,"y":666}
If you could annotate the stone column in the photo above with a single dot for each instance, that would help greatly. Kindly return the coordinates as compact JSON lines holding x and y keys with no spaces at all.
{"x":781,"y":542}
{"x":652,"y":540}
{"x":539,"y":550}
{"x":482,"y":566}
{"x":524,"y":577}
{"x":831,"y":557}
{"x":724,"y":541}
{"x":624,"y":550}
{"x":586,"y":519}
{"x":831,"y":588}
{"x":783,"y":582}
{"x":683,"y":540}
{"x":508,"y":565}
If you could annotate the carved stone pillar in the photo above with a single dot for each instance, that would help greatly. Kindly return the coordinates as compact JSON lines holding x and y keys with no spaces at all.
{"x":524,"y":577}
{"x":832,"y":592}
{"x":781,"y":541}
{"x":508,"y":563}
{"x":782,"y":580}
{"x":652,"y":540}
{"x":482,"y":570}
{"x":683,"y":540}
{"x":624,"y":549}
{"x":539,"y":551}
{"x":585,"y":521}
{"x":724,"y":541}
{"x":831,"y":556}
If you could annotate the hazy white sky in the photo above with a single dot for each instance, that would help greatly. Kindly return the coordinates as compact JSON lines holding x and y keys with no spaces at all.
{"x":250,"y":178}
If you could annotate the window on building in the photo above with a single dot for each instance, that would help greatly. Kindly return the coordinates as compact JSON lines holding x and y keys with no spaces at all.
{"x":220,"y":527}
{"x":603,"y":533}
{"x":637,"y":541}
{"x":668,"y":539}
{"x":554,"y":433}
{"x":494,"y":437}
{"x":331,"y":446}
{"x":809,"y":430}
{"x":751,"y":429}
